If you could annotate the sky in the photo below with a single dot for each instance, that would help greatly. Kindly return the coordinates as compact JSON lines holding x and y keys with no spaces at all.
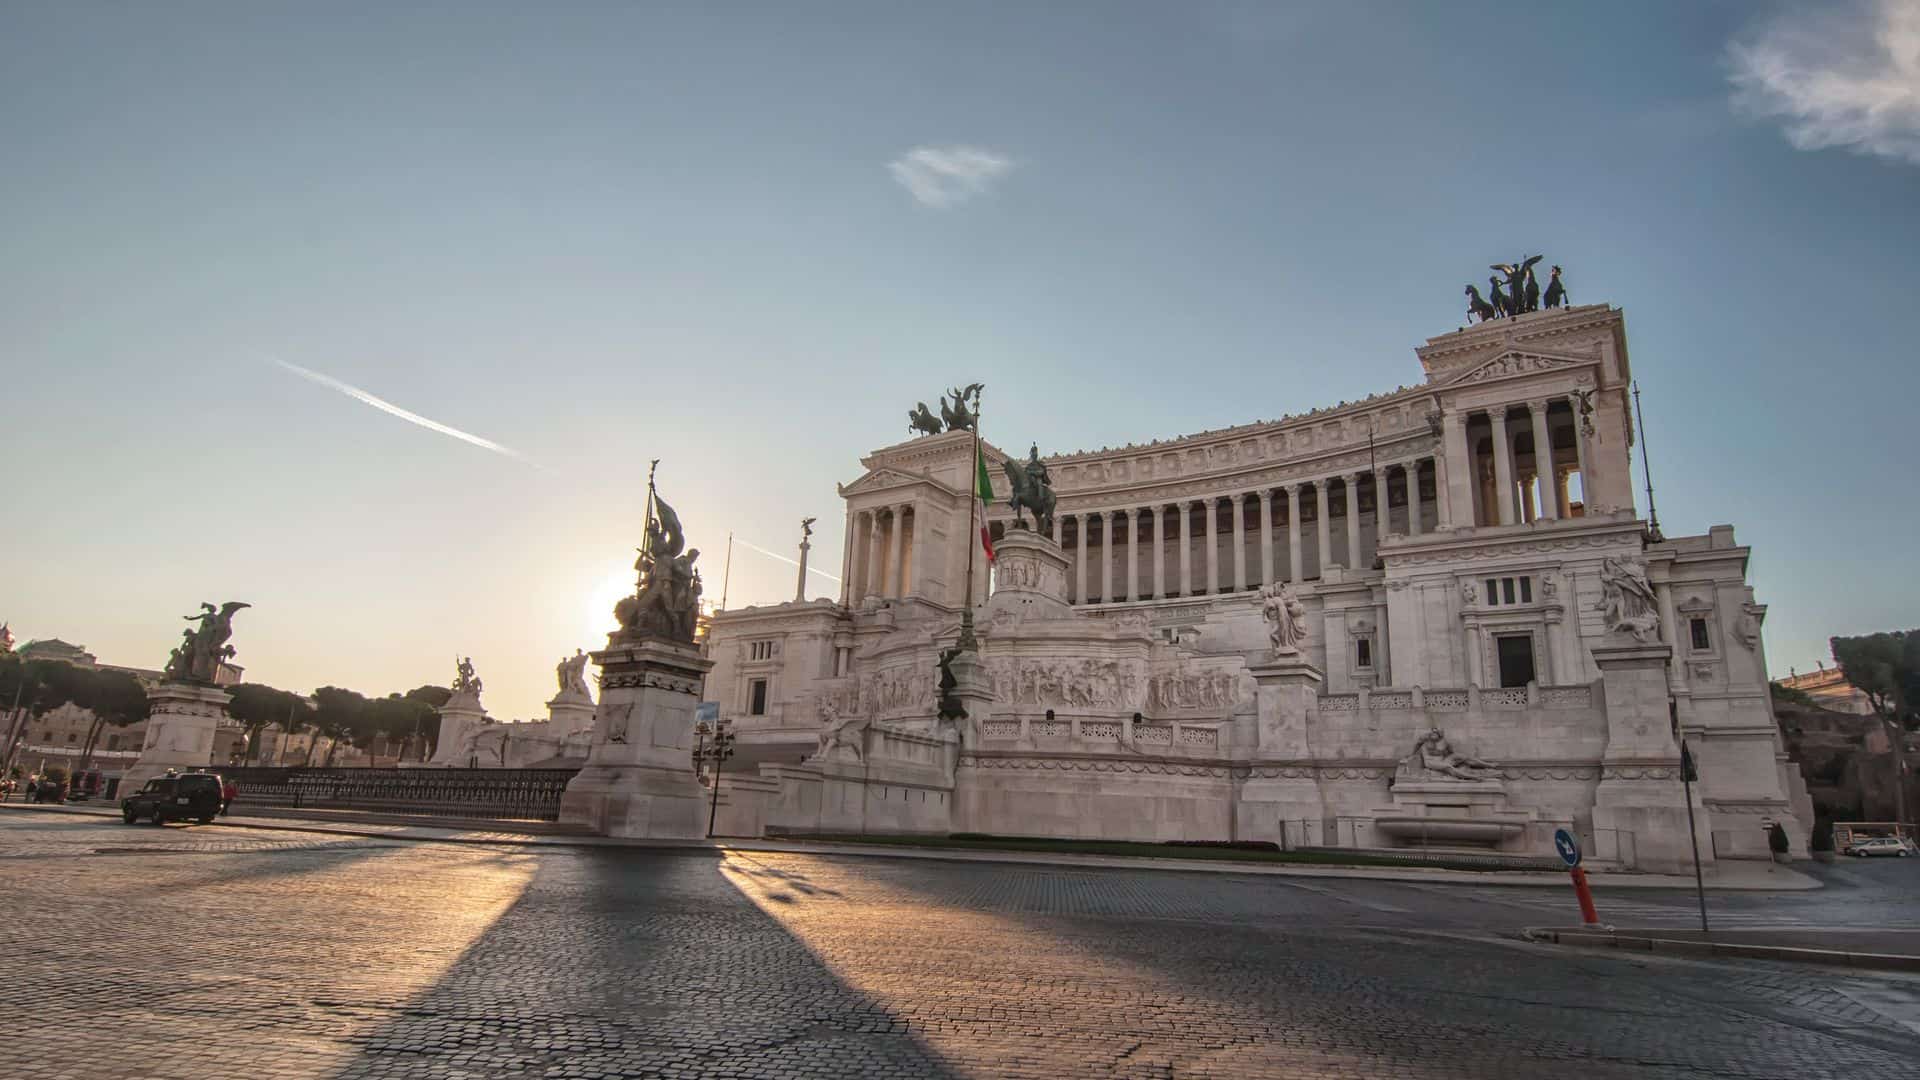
{"x":373,"y":315}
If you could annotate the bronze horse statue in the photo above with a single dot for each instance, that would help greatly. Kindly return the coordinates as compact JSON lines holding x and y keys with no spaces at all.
{"x":922,"y":422}
{"x":1478,"y":308}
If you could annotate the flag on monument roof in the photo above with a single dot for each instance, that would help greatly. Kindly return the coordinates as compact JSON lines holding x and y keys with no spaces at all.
{"x":983,"y":490}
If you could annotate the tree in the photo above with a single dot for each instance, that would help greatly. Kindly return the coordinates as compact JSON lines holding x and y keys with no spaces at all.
{"x":255,"y":706}
{"x":338,"y":714}
{"x":1886,"y":668}
{"x":114,"y":698}
{"x":34,"y":688}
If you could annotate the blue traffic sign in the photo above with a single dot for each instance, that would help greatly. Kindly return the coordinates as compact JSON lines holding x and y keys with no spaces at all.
{"x":1567,"y":846}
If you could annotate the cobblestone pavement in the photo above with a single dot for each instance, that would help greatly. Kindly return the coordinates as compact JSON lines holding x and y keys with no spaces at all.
{"x":181,"y":952}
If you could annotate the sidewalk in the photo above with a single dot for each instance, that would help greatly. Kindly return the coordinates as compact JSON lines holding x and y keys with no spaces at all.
{"x":1733,"y":876}
{"x":1879,"y":949}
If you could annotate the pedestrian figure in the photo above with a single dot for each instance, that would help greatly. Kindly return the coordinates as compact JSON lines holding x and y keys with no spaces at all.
{"x":229,"y":791}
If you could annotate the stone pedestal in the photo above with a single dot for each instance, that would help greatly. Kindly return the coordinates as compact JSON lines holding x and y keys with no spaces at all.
{"x":1640,"y":794}
{"x":1438,"y":811}
{"x":1030,"y":577}
{"x":461,"y":719}
{"x":1281,"y":799}
{"x":639,"y":778}
{"x":569,"y":714}
{"x":975,"y":691}
{"x":180,"y":729}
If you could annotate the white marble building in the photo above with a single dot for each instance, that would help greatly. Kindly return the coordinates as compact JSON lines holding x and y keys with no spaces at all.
{"x":1450,"y":543}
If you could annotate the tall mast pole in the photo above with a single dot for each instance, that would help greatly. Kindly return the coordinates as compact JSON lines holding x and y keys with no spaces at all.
{"x":646,"y":542}
{"x":726,"y":575}
{"x":967,"y":640}
{"x":1640,"y":420}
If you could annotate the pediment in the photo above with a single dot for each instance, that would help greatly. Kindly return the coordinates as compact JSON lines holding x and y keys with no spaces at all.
{"x":1515,"y":363}
{"x":881,"y":480}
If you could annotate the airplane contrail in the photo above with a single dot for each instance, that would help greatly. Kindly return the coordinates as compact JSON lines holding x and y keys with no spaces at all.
{"x":389,"y":407}
{"x":783,"y":558}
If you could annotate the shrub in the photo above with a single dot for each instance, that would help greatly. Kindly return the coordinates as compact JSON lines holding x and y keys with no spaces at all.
{"x":1822,"y":838}
{"x":1777,"y":838}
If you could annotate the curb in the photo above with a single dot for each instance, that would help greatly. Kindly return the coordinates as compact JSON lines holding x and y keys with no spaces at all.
{"x":1511,"y":879}
{"x":1721,"y":950}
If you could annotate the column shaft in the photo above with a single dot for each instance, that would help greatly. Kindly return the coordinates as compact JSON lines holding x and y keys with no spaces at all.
{"x":1266,"y":537}
{"x":895,"y":571}
{"x":1211,"y":521}
{"x":846,"y":563}
{"x":1413,"y":497}
{"x":1454,"y":483}
{"x":1543,"y":460}
{"x":1503,"y":508}
{"x":1323,"y":527}
{"x":1295,"y":562}
{"x":1128,"y":534}
{"x":1240,"y":542}
{"x":1080,"y":564}
{"x":1580,"y":453}
{"x":1353,"y":521}
{"x":1106,"y":557}
{"x":1159,"y":552}
{"x":876,"y":555}
{"x":1185,"y":511}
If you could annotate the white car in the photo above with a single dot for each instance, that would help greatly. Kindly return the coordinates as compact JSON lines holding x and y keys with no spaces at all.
{"x":1879,"y":845}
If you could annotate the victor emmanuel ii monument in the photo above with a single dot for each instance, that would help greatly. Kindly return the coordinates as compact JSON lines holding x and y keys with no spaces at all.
{"x":1432,"y":617}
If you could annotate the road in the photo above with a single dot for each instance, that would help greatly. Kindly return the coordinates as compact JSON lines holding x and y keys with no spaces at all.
{"x":188,"y":952}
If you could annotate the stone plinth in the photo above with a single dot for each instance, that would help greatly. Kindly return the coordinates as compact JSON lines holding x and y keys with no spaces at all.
{"x":639,"y":778}
{"x":1284,"y":803}
{"x":180,"y":729}
{"x":1030,"y":577}
{"x":1640,"y":792}
{"x":1439,"y":811}
{"x":461,"y":719}
{"x":569,"y":713}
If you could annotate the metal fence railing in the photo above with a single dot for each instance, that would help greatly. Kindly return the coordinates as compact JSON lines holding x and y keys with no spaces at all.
{"x":496,"y":794}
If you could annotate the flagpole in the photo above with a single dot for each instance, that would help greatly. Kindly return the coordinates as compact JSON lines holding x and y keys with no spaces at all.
{"x":967,"y":641}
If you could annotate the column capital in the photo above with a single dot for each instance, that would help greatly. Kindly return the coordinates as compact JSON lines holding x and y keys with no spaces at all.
{"x":1266,"y":496}
{"x":1350,"y":478}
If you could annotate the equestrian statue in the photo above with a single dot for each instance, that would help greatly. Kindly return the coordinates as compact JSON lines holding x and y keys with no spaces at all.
{"x":1032,"y":489}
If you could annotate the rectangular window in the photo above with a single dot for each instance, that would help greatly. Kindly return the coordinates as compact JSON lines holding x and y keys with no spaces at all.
{"x":1493,"y":591}
{"x":1363,"y":653}
{"x":1516,"y":658}
{"x":1526,"y":590}
{"x":757,"y":698}
{"x":1506,"y":590}
{"x":1701,"y":643}
{"x":760,"y":650}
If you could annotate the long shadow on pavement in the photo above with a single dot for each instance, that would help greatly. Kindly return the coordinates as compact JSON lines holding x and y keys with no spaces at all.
{"x":638,"y":964}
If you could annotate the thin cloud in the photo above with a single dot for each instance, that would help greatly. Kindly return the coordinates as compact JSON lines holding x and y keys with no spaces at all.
{"x":1837,"y":77}
{"x":391,"y":409}
{"x":944,"y":176}
{"x":784,"y":559}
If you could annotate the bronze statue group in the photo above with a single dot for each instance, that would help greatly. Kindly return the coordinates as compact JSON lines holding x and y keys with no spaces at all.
{"x":1520,"y":295}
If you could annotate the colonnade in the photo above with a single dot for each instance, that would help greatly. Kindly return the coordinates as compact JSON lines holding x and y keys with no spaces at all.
{"x":1503,"y":493}
{"x":1131,"y":559}
{"x":882,"y":553}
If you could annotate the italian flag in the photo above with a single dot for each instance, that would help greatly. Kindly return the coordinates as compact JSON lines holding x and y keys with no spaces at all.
{"x":983,"y":490}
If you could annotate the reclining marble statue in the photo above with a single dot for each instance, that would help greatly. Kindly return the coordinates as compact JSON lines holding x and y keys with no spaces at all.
{"x":1434,"y":755}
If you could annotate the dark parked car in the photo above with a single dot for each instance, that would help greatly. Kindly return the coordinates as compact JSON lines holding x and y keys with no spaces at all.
{"x":174,"y":798}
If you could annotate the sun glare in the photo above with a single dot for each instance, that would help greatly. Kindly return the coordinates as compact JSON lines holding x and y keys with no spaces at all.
{"x":598,"y":617}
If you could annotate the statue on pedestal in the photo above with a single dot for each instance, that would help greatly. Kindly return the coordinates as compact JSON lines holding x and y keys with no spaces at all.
{"x":571,"y":673}
{"x":1434,"y":755}
{"x":666,"y":600}
{"x":839,"y":731}
{"x":464,"y":679}
{"x":1032,"y":489}
{"x":1286,"y":618}
{"x":956,"y":413}
{"x":1628,"y":598}
{"x":204,"y":648}
{"x":950,"y":706}
{"x":922,"y":422}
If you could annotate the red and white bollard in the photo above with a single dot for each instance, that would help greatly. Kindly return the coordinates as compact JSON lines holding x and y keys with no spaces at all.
{"x":1585,"y":895}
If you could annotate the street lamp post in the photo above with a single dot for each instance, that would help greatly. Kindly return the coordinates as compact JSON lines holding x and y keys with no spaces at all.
{"x":713,"y":743}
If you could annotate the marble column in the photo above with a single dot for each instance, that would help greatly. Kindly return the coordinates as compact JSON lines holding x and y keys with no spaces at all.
{"x":1106,"y":557}
{"x":1128,"y":537}
{"x":1080,"y":564}
{"x":916,"y":578}
{"x":896,"y":568}
{"x":1266,"y":536}
{"x":1240,"y":542}
{"x":1382,"y":508}
{"x":1159,"y":552}
{"x":1295,"y":557}
{"x":1543,"y":470}
{"x":1353,"y":521}
{"x":846,"y":562}
{"x":1186,"y":547}
{"x":1057,"y":526}
{"x":876,"y":555}
{"x":1503,"y":508}
{"x":1453,"y":473}
{"x":1323,"y":528}
{"x":1580,"y":453}
{"x":1413,"y":497}
{"x":1211,"y":520}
